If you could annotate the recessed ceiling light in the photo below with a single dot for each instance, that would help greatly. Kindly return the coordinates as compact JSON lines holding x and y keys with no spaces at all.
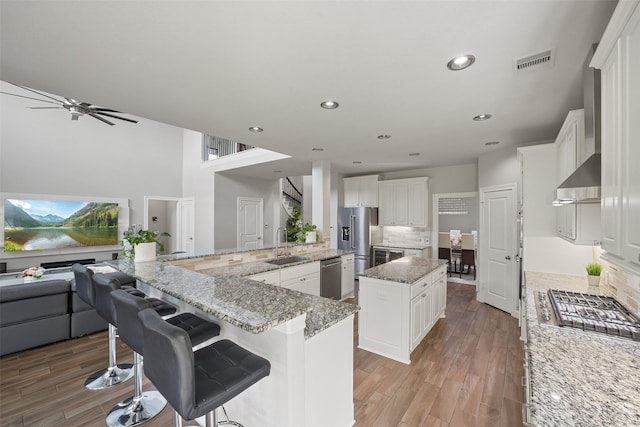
{"x":329,"y":105}
{"x":277,"y":171}
{"x":482,"y":117}
{"x":256,"y":129}
{"x":414,"y":154}
{"x":383,"y":137}
{"x":317,"y":149}
{"x":356,"y":162}
{"x":492,"y":143}
{"x":461,"y":62}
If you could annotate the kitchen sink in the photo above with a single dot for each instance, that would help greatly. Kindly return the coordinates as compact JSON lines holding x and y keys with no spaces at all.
{"x":287,"y":260}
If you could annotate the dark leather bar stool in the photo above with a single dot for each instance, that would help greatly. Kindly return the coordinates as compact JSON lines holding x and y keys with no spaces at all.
{"x":143,"y":406}
{"x":199,"y":382}
{"x":85,"y":288}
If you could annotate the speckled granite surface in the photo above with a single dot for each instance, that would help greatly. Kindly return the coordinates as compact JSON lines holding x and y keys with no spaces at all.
{"x":579,"y":378}
{"x":249,"y":268}
{"x":250,"y":305}
{"x":408,"y":269}
{"x":402,"y":245}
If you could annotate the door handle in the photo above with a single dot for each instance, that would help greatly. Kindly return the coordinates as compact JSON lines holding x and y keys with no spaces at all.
{"x":507,"y":257}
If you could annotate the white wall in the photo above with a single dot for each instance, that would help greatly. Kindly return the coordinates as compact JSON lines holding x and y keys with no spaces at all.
{"x":227,"y":190}
{"x":198,"y":183}
{"x":45,"y":152}
{"x":543,"y":250}
{"x":498,"y":167}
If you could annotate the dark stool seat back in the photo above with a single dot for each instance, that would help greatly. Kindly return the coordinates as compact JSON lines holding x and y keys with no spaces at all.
{"x":196,"y":383}
{"x":84,"y":284}
{"x":127,"y":307}
{"x":104,"y":285}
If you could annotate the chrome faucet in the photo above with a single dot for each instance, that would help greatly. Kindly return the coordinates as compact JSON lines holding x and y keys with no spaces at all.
{"x":286,"y":246}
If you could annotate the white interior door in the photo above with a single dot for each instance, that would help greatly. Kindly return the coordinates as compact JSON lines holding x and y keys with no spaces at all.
{"x":250,"y":223}
{"x":188,"y":226}
{"x":498,"y":280}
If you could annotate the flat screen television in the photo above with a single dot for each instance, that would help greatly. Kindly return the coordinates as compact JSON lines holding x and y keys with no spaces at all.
{"x":58,"y":224}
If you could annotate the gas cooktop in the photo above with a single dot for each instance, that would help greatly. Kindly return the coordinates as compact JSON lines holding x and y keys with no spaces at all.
{"x":587,"y":312}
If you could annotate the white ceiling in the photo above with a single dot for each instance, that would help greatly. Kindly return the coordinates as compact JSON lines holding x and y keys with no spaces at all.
{"x":222,"y":66}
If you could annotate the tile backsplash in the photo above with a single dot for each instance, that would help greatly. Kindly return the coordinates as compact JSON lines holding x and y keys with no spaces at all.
{"x":417,"y":235}
{"x":622,"y":283}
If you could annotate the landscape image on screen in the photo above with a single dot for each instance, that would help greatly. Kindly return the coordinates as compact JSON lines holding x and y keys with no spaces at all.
{"x":56,"y":224}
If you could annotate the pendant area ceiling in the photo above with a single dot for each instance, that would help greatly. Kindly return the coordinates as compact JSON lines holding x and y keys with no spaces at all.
{"x":221,"y":67}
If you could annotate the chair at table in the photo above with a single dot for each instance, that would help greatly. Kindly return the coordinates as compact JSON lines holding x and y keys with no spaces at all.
{"x":444,"y":249}
{"x":468,"y":256}
{"x":456,"y":251}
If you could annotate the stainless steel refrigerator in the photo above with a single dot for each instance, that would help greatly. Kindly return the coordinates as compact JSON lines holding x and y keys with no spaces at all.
{"x":357,"y":231}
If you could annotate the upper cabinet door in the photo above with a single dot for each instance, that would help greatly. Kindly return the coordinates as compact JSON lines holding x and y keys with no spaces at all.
{"x":630,"y":150}
{"x":611,"y":142}
{"x":369,"y":192}
{"x":361,"y":191}
{"x":417,"y":203}
{"x":351,"y":193}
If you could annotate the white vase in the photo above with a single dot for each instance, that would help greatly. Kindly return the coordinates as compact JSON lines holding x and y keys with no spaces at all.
{"x":310,"y":237}
{"x":145,"y":252}
{"x":594,"y":281}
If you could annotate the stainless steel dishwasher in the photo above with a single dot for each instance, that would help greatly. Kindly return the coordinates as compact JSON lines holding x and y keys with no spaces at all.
{"x":331,"y":278}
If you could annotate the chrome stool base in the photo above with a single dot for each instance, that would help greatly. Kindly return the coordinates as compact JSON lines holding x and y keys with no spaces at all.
{"x":133,"y":411}
{"x":109,"y":377}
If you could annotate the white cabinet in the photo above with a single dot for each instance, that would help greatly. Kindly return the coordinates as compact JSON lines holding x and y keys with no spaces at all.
{"x":360,"y":191}
{"x":578,"y":223}
{"x":348,"y":275}
{"x":403,"y":202}
{"x":303,"y":278}
{"x":421,"y":311}
{"x":270,"y":277}
{"x":618,"y":57}
{"x":395,"y":317}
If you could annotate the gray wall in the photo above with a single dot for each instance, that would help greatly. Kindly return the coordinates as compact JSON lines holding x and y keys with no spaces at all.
{"x":465,"y":223}
{"x":44,"y":152}
{"x":227,"y":190}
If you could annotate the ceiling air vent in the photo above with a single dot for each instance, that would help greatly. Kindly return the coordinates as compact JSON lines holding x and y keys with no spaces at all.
{"x":535,"y":61}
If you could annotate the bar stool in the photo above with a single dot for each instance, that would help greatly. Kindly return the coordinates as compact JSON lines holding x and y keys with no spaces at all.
{"x":199,"y":382}
{"x":114,"y":374}
{"x":143,"y":406}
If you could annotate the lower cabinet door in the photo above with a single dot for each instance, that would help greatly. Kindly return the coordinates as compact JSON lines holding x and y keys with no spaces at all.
{"x":417,"y":320}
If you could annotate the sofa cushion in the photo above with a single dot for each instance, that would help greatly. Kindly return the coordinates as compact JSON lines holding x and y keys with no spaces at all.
{"x":33,"y":289}
{"x":22,"y":336}
{"x":28,"y":309}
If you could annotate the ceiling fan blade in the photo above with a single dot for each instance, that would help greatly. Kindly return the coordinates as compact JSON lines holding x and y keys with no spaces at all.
{"x":101,"y":119}
{"x":116,"y":117}
{"x":46,"y":108}
{"x":107,"y":110}
{"x":28,"y":97}
{"x":39,"y":93}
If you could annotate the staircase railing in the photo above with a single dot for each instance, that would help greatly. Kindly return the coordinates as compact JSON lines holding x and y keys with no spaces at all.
{"x":291,"y":194}
{"x":214,"y":147}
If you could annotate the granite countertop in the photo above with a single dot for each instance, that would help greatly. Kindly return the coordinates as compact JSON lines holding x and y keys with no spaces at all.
{"x":257,"y":267}
{"x":402,"y":245}
{"x":408,"y":269}
{"x":248,"y":304}
{"x":579,"y":378}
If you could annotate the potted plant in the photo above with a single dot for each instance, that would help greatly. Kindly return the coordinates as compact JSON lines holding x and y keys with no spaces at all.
{"x":307,"y":233}
{"x":142,"y":245}
{"x":593,"y":273}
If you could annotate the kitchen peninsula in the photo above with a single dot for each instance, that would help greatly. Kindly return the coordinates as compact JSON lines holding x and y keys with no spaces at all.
{"x":307,"y":339}
{"x":400,"y":301}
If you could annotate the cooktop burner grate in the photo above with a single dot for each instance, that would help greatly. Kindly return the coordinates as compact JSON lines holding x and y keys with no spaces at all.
{"x":594,"y":313}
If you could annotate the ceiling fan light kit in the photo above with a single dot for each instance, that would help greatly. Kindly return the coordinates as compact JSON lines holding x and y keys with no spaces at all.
{"x":76,"y":108}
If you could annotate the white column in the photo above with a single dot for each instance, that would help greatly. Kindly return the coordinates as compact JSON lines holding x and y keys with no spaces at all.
{"x":321,"y":194}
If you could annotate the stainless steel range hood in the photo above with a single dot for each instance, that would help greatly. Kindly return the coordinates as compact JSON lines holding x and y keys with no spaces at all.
{"x":583,"y":185}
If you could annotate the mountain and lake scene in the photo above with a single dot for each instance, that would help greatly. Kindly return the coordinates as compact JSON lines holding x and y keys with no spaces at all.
{"x":55,"y":224}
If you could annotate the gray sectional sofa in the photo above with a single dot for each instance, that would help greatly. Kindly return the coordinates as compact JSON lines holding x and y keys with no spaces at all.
{"x":42,"y":312}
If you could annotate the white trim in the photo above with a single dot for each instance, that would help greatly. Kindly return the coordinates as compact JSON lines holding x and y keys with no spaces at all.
{"x":435,"y":229}
{"x":612,"y":33}
{"x":244,"y":158}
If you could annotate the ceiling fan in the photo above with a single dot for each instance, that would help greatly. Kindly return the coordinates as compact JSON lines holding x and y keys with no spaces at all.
{"x":76,"y":108}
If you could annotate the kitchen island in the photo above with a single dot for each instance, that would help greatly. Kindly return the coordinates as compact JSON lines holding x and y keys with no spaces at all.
{"x":400,"y":302}
{"x":577,"y":378}
{"x":307,"y":339}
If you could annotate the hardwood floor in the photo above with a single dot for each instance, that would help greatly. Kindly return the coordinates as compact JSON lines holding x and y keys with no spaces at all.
{"x":466,"y":372}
